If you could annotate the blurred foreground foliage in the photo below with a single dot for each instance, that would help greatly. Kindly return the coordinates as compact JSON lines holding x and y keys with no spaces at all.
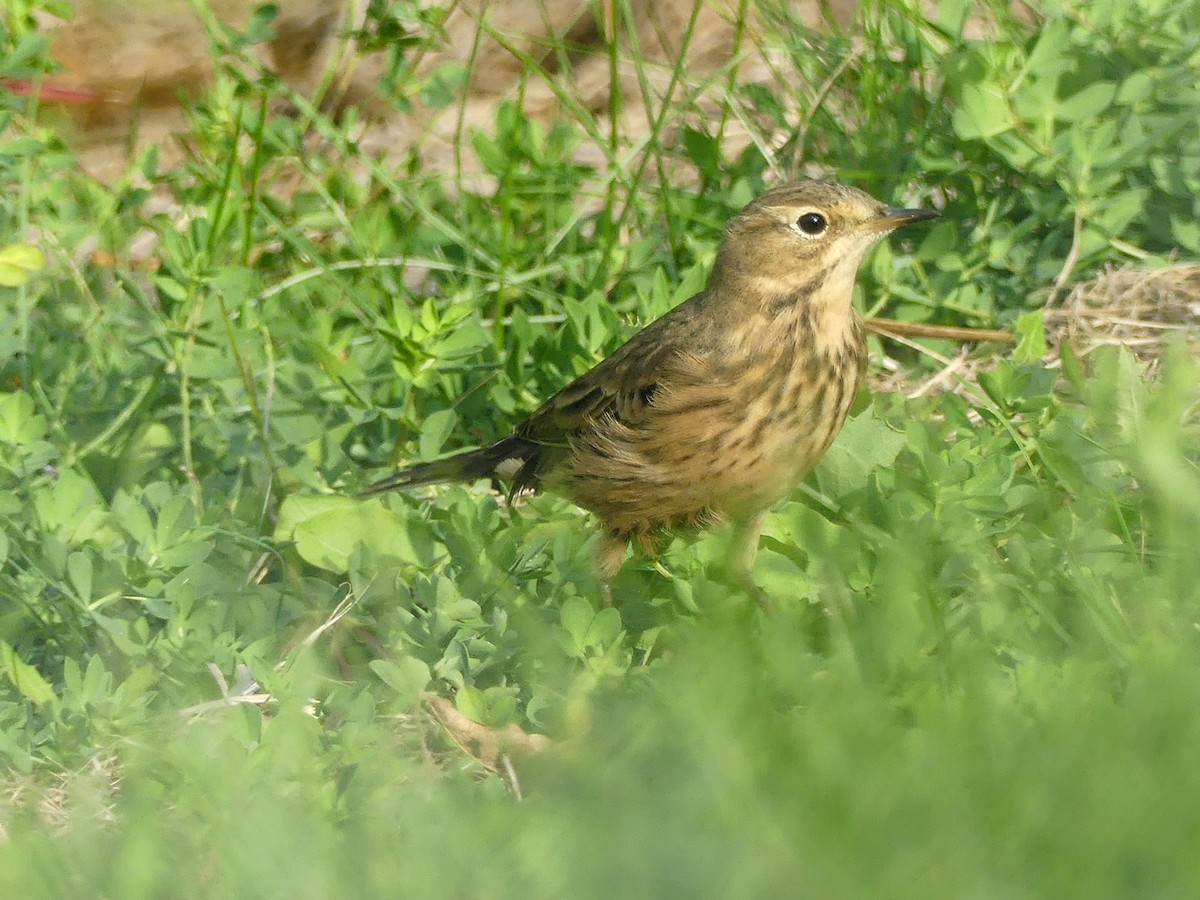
{"x":981,"y":674}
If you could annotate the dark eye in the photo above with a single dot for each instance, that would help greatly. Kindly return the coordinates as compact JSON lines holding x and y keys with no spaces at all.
{"x":812,"y":223}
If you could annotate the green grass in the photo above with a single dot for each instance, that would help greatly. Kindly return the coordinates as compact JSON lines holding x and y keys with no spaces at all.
{"x":982,"y":674}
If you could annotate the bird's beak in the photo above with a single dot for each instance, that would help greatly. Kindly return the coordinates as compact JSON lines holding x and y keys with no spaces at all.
{"x":894,"y":217}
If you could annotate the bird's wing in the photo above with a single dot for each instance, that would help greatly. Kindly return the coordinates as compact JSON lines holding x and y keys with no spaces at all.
{"x":623,"y":384}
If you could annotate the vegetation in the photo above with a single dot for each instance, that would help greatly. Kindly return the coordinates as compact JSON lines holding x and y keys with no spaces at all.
{"x":982,"y":675}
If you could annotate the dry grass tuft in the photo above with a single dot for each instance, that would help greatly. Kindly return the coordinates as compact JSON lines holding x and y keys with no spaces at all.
{"x":1137,"y":308}
{"x":1142,"y":309}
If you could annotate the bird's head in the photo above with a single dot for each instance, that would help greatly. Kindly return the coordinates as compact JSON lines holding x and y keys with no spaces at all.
{"x":806,"y":237}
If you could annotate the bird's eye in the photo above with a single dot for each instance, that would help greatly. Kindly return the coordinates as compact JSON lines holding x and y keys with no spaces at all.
{"x":812,"y":224}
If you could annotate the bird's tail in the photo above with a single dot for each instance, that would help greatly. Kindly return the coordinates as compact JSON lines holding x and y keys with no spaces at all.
{"x":469,"y":466}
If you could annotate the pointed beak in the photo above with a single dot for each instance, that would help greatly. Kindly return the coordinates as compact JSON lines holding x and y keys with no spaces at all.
{"x":893,"y":217}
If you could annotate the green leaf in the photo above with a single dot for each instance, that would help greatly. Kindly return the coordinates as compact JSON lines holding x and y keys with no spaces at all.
{"x":186,"y":553}
{"x":30,"y":47}
{"x":1119,"y":209}
{"x":470,"y":702}
{"x":25,"y":678}
{"x":133,"y":518}
{"x":691,"y":282}
{"x":79,"y":570}
{"x":408,"y":678}
{"x":18,"y":262}
{"x":864,"y":444}
{"x":586,"y":628}
{"x":1046,"y":60}
{"x":982,"y":112}
{"x":702,"y":149}
{"x":1017,"y":387}
{"x":434,"y":431}
{"x":576,"y":617}
{"x":489,"y":153}
{"x":298,"y":508}
{"x":19,"y":422}
{"x":501,"y":706}
{"x":605,"y":628}
{"x":328,"y":530}
{"x":1136,"y":88}
{"x":463,"y":340}
{"x":1087,"y":103}
{"x":1031,"y":334}
{"x":1186,"y":230}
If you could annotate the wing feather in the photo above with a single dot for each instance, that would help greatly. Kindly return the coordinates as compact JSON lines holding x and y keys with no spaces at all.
{"x":624,"y":384}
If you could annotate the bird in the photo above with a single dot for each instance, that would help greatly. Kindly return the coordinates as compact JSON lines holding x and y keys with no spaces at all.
{"x":716,"y":410}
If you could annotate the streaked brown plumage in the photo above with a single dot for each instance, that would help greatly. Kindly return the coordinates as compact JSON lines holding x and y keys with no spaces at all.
{"x":716,"y":410}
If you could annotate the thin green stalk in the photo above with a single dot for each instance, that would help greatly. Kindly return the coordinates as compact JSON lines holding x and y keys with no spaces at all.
{"x":216,"y":220}
{"x":185,"y":396}
{"x":255,"y":179}
{"x":77,"y":453}
{"x":614,"y":109}
{"x":658,"y":122}
{"x":245,"y":370}
{"x":23,"y":301}
{"x":735,"y":54}
{"x":461,"y":112}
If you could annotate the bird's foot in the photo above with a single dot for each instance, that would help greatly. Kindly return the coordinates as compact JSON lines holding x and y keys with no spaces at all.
{"x":758,"y":595}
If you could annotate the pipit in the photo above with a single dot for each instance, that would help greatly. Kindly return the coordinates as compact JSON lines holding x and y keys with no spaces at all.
{"x":716,"y":410}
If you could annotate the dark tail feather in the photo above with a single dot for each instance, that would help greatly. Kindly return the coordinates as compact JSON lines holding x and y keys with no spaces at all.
{"x":469,"y":466}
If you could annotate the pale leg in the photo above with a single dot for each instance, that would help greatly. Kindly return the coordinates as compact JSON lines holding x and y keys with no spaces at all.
{"x":743,"y":549}
{"x":608,"y":556}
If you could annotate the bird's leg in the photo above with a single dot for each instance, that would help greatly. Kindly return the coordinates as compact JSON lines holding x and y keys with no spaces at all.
{"x":607,"y":557}
{"x":743,"y":549}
